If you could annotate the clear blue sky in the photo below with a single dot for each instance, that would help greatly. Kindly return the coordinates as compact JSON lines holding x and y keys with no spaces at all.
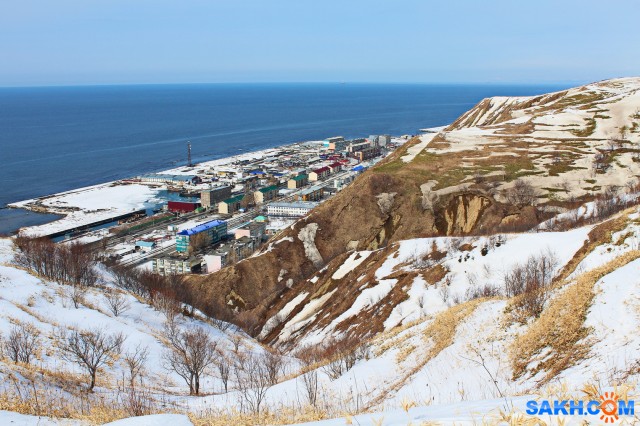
{"x":45,"y":42}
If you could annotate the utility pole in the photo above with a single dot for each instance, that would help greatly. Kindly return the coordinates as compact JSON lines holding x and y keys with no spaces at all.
{"x":189,"y":164}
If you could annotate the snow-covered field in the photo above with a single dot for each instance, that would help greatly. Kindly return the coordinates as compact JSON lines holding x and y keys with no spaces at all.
{"x":93,"y":204}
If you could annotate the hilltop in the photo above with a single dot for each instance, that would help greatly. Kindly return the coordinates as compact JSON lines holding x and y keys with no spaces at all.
{"x":507,"y":165}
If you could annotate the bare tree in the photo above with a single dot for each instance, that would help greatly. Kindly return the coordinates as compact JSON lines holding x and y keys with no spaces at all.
{"x":129,"y":279}
{"x":66,"y":263}
{"x":190,"y":353}
{"x":117,"y":302}
{"x":135,"y":361}
{"x":22,"y":343}
{"x":236,"y":340}
{"x":91,"y":350}
{"x":274,"y":364}
{"x":224,"y":369}
{"x":76,"y":294}
{"x":309,"y":357}
{"x":252,"y":380}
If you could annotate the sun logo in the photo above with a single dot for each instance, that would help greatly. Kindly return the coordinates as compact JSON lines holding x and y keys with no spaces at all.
{"x":609,"y":407}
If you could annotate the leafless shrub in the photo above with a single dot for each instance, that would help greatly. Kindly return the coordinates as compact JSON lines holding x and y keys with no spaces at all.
{"x":487,"y":290}
{"x":342,"y":355}
{"x":236,"y":341}
{"x":137,"y":401}
{"x":76,"y":294}
{"x":252,"y":381}
{"x":135,"y":361}
{"x":521,"y":194}
{"x":190,"y":353}
{"x":530,"y":282}
{"x":91,"y":350}
{"x":444,"y":292}
{"x":608,"y":203}
{"x":309,"y":358}
{"x":274,"y":365}
{"x":224,"y":369}
{"x":117,"y":302}
{"x":22,"y":344}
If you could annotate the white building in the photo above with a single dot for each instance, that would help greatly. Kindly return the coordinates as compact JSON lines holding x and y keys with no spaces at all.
{"x":298,"y":209}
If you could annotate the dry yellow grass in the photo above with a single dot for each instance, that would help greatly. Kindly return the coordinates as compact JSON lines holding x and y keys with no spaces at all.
{"x":560,"y":329}
{"x":438,"y":335}
{"x":600,"y":234}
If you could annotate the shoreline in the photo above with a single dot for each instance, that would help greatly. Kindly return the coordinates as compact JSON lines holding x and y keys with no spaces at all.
{"x":83,"y":206}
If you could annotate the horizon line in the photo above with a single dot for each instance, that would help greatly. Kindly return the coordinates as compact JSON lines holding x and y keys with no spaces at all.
{"x":398,"y":83}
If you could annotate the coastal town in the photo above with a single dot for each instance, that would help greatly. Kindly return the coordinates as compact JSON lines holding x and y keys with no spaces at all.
{"x":202,"y":217}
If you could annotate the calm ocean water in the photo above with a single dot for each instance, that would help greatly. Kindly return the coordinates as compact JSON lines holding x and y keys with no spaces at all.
{"x":59,"y":138}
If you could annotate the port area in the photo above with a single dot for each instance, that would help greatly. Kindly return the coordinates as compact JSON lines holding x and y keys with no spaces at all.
{"x":138,"y":220}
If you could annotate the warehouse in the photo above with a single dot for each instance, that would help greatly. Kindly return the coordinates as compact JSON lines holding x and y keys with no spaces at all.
{"x":182,"y":206}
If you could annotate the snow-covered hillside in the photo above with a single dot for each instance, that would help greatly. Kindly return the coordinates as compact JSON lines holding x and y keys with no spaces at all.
{"x":568,"y":144}
{"x":48,"y":310}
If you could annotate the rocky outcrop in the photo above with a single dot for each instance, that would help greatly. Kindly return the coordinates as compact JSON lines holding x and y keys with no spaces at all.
{"x":463,"y":213}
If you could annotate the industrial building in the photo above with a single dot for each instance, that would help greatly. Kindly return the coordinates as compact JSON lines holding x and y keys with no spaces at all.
{"x":265,"y":194}
{"x":170,"y":179}
{"x":201,"y":236}
{"x":230,"y":205}
{"x":297,"y":209}
{"x":212,"y":196}
{"x":182,"y":206}
{"x":298,"y":181}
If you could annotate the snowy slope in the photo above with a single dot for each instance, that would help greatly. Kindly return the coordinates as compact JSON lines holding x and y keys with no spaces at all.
{"x":47,"y":306}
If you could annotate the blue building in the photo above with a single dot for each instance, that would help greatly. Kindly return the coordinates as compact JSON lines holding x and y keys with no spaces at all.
{"x":200,"y":236}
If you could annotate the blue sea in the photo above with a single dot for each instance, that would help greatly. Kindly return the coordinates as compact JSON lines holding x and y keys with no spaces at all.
{"x":54,"y":139}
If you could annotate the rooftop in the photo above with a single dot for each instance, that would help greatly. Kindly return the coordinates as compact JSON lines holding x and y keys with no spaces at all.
{"x":268,"y":188}
{"x":299,"y":204}
{"x":235,"y":199}
{"x":300,"y":177}
{"x":310,"y":190}
{"x":167,"y":177}
{"x":203,"y":227}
